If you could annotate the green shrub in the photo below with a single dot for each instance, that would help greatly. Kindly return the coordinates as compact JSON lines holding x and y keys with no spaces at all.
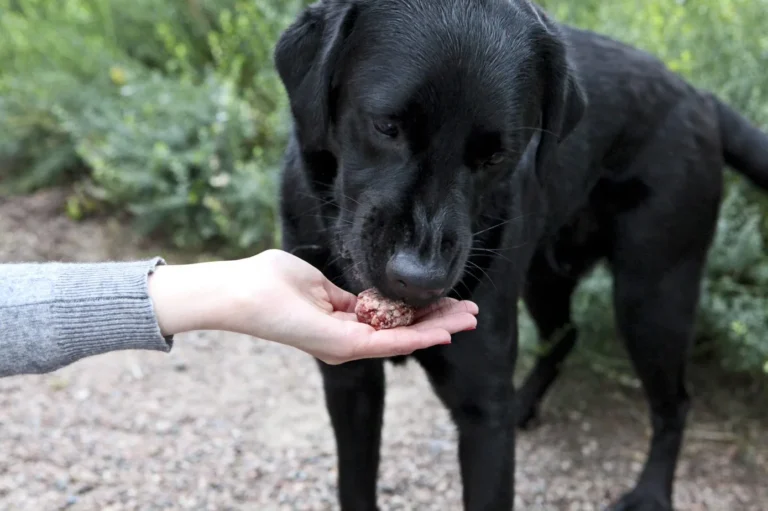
{"x":734,"y":316}
{"x":171,"y":111}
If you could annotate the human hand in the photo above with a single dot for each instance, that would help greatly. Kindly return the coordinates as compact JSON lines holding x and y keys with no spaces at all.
{"x":279,"y":297}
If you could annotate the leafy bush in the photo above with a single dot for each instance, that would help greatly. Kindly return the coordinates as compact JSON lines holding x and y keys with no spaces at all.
{"x":169,"y":110}
{"x":734,"y":314}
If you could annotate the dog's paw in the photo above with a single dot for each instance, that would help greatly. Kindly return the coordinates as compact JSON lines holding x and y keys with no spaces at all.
{"x":641,"y":501}
{"x":527,"y":418}
{"x":526,"y":412}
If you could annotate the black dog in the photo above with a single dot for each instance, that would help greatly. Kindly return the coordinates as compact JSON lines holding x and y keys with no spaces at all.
{"x":477,"y":149}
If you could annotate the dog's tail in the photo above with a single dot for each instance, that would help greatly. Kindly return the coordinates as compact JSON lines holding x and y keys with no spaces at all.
{"x":745,"y":147}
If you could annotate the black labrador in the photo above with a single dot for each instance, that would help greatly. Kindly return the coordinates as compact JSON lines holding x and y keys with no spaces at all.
{"x":478,"y":149}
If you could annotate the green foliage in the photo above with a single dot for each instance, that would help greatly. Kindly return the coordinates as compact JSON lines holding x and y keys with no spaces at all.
{"x":171,"y":111}
{"x":735,"y":302}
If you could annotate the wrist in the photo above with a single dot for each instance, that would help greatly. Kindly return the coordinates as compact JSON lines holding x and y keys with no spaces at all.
{"x":190,"y":297}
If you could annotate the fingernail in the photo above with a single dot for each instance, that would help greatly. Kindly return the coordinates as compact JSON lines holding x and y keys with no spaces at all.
{"x":445,"y":342}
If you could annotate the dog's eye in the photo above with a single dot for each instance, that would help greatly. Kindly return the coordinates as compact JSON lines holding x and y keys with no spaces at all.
{"x":386,"y":128}
{"x":484,"y":149}
{"x":495,"y":159}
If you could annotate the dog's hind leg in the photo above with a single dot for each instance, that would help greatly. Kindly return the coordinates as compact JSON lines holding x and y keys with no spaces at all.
{"x":548,"y":300}
{"x":354,"y":396}
{"x":658,"y":257}
{"x":547,"y":293}
{"x":655,"y":315}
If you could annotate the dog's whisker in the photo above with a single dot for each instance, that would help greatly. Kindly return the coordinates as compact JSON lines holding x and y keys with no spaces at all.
{"x":519,"y":214}
{"x":456,"y":290}
{"x":501,"y":224}
{"x":317,"y":182}
{"x":484,"y":273}
{"x":533,"y":128}
{"x":336,"y":219}
{"x":465,"y":287}
{"x":345,"y":272}
{"x":496,"y":226}
{"x":466,"y":271}
{"x":316,"y":212}
{"x":524,"y":244}
{"x":335,"y":260}
{"x":329,"y":188}
{"x":324,"y":202}
{"x":494,"y":252}
{"x":501,"y":249}
{"x":497,"y":218}
{"x":350,"y":199}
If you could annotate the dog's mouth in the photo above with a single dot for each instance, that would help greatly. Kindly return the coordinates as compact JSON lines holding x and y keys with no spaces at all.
{"x":369,"y":272}
{"x":417,"y":302}
{"x":378,"y":251}
{"x":404,"y":278}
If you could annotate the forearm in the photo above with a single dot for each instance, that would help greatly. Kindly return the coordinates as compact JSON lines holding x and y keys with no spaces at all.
{"x":53,"y":314}
{"x":200,"y":296}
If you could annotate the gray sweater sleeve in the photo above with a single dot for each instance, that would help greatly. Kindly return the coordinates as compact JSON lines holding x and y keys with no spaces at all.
{"x":53,"y":314}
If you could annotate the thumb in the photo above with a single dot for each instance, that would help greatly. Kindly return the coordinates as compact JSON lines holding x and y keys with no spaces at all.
{"x":341,"y":300}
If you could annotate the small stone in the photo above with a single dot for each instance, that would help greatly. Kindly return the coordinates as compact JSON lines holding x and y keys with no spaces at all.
{"x":83,"y":394}
{"x":163,"y":426}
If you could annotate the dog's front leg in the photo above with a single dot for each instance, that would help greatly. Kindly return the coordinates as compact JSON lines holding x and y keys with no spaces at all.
{"x":473,"y":378}
{"x":354,"y":396}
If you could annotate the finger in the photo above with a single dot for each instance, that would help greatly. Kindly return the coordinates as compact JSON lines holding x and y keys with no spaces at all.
{"x":401,"y":341}
{"x":453,"y":323}
{"x":340,"y":299}
{"x":440,"y":304}
{"x":352,"y":340}
{"x":458,"y":318}
{"x":346,"y":316}
{"x":454,"y":307}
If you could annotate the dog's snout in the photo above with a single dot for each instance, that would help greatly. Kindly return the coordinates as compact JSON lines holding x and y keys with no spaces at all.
{"x":415,"y":279}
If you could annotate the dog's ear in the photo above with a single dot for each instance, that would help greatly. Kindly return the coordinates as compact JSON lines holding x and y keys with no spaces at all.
{"x":306,"y":56}
{"x":563,"y":98}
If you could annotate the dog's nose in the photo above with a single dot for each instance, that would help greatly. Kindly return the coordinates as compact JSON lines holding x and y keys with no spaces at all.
{"x":414,"y":280}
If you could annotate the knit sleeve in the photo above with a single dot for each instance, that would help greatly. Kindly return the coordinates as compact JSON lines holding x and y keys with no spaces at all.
{"x":53,"y":314}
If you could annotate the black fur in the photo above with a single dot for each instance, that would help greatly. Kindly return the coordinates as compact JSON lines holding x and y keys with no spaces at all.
{"x":506,"y":155}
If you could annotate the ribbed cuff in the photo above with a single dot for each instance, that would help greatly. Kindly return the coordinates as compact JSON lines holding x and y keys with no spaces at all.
{"x":106,"y":307}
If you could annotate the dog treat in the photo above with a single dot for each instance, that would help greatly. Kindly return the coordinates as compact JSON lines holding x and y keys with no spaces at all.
{"x":380,"y":312}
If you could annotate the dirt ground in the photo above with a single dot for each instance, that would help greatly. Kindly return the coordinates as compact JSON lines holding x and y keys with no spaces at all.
{"x":226,"y":422}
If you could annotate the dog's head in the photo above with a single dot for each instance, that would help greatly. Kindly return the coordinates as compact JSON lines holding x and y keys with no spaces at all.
{"x":408,"y":112}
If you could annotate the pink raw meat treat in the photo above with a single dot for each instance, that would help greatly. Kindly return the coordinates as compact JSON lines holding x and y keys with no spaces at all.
{"x":380,"y":312}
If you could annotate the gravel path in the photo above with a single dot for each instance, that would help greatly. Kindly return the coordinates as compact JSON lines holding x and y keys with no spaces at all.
{"x":225,"y":422}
